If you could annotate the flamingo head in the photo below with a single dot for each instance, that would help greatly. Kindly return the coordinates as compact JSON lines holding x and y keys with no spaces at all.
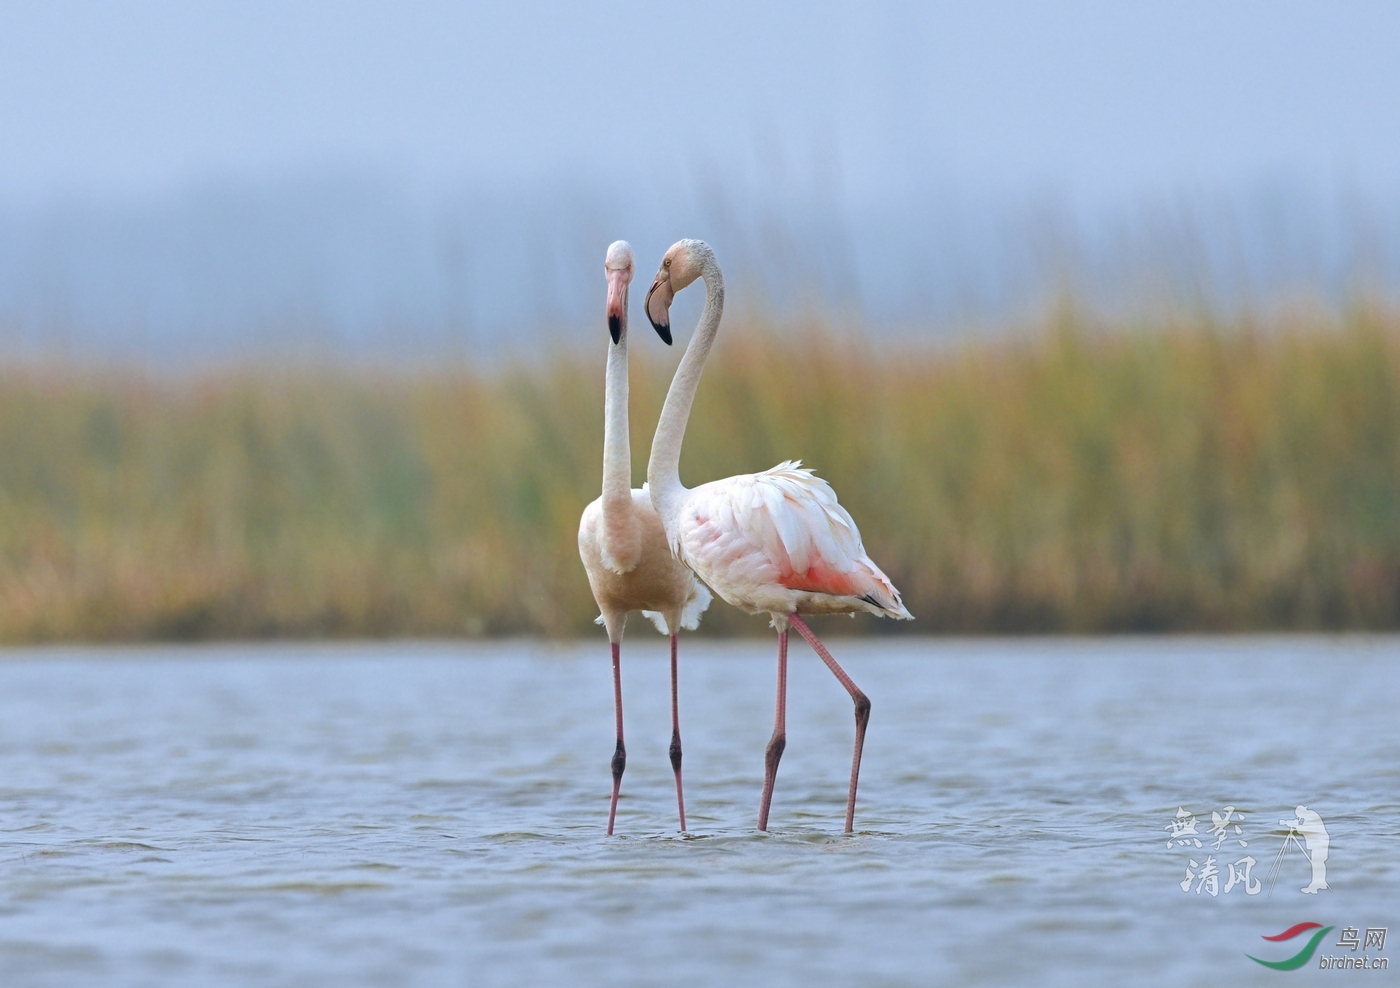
{"x":683,"y":263}
{"x":619,"y":268}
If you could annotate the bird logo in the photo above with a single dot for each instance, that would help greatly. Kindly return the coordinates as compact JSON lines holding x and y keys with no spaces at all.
{"x":1302,"y":956}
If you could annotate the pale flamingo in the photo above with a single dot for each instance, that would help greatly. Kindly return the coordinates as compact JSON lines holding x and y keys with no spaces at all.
{"x":622,"y":543}
{"x":775,"y":542}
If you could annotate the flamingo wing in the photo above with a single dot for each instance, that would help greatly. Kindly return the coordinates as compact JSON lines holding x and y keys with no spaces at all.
{"x":781,"y":534}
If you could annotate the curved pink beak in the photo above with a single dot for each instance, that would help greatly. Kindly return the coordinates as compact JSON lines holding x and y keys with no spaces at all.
{"x":618,"y":281}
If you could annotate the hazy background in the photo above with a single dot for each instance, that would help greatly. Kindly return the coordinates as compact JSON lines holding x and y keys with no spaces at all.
{"x":193,"y":180}
{"x":1091,"y":312}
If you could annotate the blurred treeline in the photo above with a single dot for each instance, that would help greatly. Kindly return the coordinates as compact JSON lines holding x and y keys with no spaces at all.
{"x":1189,"y":475}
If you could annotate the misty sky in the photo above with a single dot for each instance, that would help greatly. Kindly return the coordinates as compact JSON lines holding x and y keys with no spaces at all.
{"x":128,"y":109}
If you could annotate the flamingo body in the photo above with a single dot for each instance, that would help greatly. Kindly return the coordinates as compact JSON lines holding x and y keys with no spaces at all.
{"x":642,"y":575}
{"x":778,"y":542}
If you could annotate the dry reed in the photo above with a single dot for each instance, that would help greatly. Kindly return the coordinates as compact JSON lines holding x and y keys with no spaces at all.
{"x":1183,"y":477}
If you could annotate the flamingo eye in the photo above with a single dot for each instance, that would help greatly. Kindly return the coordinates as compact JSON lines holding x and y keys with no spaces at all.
{"x":666,"y":263}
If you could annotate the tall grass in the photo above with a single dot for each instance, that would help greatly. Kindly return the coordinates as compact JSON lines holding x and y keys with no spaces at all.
{"x":1188,"y":476}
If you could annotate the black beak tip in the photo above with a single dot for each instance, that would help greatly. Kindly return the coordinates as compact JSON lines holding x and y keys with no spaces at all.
{"x":663,"y":330}
{"x":615,"y":328}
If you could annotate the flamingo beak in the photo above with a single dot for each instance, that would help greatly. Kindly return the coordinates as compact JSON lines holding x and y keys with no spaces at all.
{"x":617,"y":302}
{"x":659,"y":306}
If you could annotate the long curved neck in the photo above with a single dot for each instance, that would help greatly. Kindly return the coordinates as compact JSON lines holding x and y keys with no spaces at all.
{"x":617,"y":442}
{"x":664,"y":468}
{"x":620,"y":540}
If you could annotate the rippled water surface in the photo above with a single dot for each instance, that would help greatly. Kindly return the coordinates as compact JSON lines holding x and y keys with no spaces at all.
{"x":433,"y":814}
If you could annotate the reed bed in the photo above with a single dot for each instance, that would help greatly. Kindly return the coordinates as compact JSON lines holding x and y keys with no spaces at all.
{"x":1185,"y":476}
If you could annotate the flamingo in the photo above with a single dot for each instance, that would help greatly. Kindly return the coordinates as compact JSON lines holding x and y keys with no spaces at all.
{"x":621,"y":542}
{"x":775,"y":542}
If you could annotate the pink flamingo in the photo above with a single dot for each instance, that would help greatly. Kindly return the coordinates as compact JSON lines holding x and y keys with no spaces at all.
{"x":775,"y":542}
{"x":622,"y":543}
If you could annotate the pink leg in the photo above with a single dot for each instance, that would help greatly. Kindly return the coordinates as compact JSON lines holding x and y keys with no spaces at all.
{"x":778,"y":741}
{"x":619,"y":759}
{"x":676,"y":733}
{"x":862,"y":703}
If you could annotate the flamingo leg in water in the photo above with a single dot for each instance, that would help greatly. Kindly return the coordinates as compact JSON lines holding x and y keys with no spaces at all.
{"x":676,"y":733}
{"x":861,"y":701}
{"x":619,"y":758}
{"x":778,"y":741}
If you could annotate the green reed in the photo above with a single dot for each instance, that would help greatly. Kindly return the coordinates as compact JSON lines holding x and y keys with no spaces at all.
{"x":1180,"y":476}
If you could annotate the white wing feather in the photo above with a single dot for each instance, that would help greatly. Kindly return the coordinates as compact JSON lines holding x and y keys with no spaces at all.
{"x":764,"y":540}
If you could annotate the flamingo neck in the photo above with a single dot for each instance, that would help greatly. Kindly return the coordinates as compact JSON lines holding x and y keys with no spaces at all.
{"x":619,"y":534}
{"x":664,"y":468}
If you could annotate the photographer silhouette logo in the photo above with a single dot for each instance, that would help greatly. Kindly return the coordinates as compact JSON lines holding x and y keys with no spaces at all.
{"x":1307,"y":833}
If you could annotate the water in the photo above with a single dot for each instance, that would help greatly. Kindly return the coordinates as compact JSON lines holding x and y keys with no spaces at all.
{"x":433,"y":814}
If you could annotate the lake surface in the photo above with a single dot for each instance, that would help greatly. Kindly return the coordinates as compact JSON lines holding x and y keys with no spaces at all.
{"x":406,"y":814}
